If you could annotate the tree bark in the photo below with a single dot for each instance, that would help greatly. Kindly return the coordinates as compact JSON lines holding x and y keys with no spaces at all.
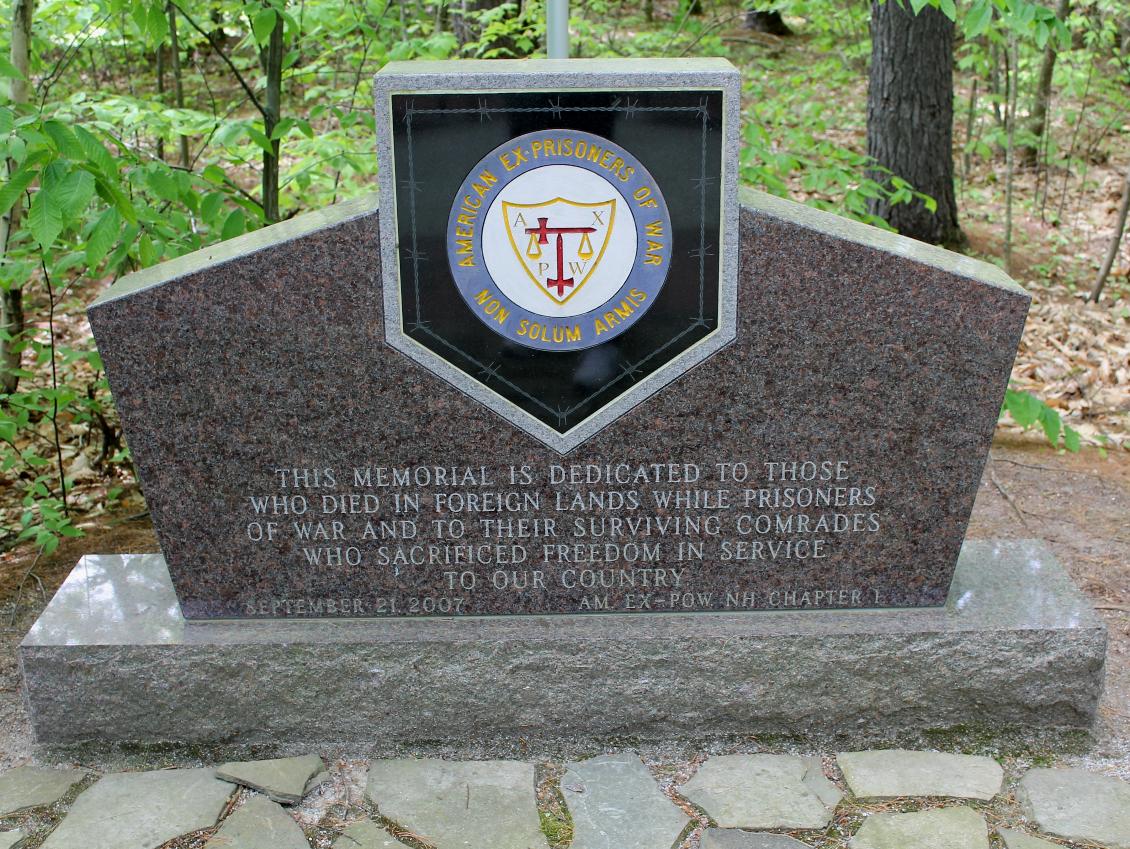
{"x":910,"y":117}
{"x":272,"y":65}
{"x":767,"y":22}
{"x":1115,"y":241}
{"x":1038,"y":116}
{"x":159,"y":55}
{"x":178,"y":81}
{"x":11,"y":299}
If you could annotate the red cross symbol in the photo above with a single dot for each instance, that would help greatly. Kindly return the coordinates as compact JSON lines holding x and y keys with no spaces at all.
{"x":543,"y":232}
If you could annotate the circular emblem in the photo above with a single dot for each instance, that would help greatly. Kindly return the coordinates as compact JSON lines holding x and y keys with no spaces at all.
{"x":559,"y":240}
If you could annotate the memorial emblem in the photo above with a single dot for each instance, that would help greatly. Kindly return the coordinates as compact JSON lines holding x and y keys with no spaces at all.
{"x":573,"y":246}
{"x":559,"y":255}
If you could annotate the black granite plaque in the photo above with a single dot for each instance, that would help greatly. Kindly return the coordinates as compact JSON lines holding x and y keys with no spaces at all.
{"x":656,"y":153}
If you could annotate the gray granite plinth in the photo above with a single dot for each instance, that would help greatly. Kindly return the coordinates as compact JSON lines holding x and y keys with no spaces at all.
{"x":1018,"y":645}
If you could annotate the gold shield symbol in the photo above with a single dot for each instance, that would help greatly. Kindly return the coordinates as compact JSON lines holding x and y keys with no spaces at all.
{"x":559,"y":242}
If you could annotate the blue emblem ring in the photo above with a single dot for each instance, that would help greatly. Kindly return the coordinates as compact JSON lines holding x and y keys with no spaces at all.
{"x":643,"y":274}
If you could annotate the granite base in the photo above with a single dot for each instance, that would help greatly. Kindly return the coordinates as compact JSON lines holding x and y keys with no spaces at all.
{"x":111,"y":659}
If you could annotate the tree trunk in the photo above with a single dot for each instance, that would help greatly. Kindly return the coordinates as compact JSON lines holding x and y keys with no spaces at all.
{"x":160,"y":57}
{"x":767,"y":22}
{"x":11,"y":300}
{"x":910,"y":117}
{"x":1115,"y":241}
{"x":178,"y":81}
{"x":272,"y":64}
{"x":1039,"y":114}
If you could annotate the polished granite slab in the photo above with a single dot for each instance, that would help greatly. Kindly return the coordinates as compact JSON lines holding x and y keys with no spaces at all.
{"x":274,"y":429}
{"x":1017,"y":644}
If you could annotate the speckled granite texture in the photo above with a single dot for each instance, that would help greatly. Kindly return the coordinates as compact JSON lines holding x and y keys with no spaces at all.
{"x":853,"y":346}
{"x":1018,"y":645}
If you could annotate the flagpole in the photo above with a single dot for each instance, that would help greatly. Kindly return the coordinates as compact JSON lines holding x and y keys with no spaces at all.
{"x":557,"y":29}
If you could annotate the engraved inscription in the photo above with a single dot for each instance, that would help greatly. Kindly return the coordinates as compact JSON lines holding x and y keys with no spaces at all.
{"x":626,"y":537}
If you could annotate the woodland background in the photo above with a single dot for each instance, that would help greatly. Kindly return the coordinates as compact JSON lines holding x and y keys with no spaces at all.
{"x":133,"y":131}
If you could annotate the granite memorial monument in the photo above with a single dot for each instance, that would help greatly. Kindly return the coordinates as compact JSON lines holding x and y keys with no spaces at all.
{"x":563,"y":370}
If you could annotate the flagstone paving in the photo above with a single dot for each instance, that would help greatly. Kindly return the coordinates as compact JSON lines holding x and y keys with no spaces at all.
{"x":259,"y":824}
{"x":460,"y":804}
{"x":613,"y":802}
{"x":616,"y":804}
{"x":30,"y":787}
{"x":366,"y":834}
{"x":1019,"y":840}
{"x":942,"y":828}
{"x":763,"y":791}
{"x":890,"y":773}
{"x":732,"y":838}
{"x":142,"y":810}
{"x":1078,"y":805}
{"x":284,"y":780}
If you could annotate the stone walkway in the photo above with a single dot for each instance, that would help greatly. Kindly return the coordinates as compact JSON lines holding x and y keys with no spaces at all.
{"x":891,"y":799}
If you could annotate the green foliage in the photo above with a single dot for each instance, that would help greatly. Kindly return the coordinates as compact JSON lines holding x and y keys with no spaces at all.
{"x":1029,"y":411}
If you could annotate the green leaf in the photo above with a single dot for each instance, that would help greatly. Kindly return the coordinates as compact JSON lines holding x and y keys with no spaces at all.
{"x":147,"y":253}
{"x":140,"y":15}
{"x":262,"y":25}
{"x":211,"y":205}
{"x":214,"y":174}
{"x":948,"y":9}
{"x":260,"y":138}
{"x":234,"y":225}
{"x":8,"y":70}
{"x":102,"y":237}
{"x":49,"y":542}
{"x":1071,"y":439}
{"x":1042,"y":33}
{"x":164,"y":184}
{"x":1024,"y":408}
{"x":96,"y":153}
{"x":158,"y":23}
{"x":1050,"y":422}
{"x":978,"y":18}
{"x":45,"y":218}
{"x":74,"y":192}
{"x":15,"y":187}
{"x":65,"y":141}
{"x":7,"y":430}
{"x":110,"y":193}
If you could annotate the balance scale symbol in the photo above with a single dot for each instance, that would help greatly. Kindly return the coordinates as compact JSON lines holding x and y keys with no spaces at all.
{"x":540,"y":236}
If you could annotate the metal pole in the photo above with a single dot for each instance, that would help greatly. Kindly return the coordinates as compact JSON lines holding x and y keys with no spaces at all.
{"x":557,"y":29}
